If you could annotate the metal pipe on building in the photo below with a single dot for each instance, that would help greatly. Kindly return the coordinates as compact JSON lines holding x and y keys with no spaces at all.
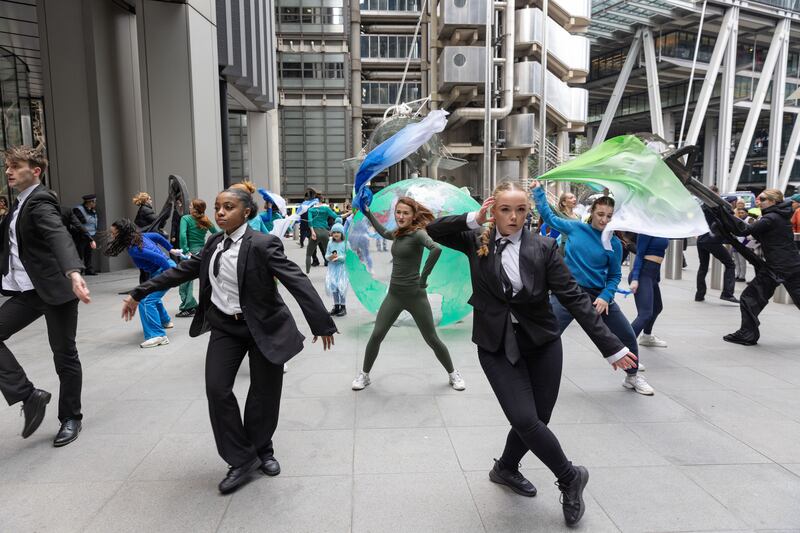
{"x":543,"y":99}
{"x":476,"y":113}
{"x":225,"y":131}
{"x":355,"y":76}
{"x":487,"y":101}
{"x":776,"y":113}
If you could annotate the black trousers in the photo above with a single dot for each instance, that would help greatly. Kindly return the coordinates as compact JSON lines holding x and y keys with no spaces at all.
{"x":755,"y":298}
{"x":62,"y":322}
{"x":527,"y":393}
{"x":705,"y":251}
{"x":83,"y":245}
{"x":239,"y":442}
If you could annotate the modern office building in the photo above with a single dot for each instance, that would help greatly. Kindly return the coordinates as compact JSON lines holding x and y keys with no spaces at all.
{"x":124,"y":93}
{"x":737,"y":63}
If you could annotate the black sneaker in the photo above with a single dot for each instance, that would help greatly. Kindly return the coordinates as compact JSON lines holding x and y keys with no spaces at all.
{"x":186,"y":313}
{"x":731,"y":299}
{"x":342,"y":311}
{"x":512,"y":478}
{"x":741,"y":337}
{"x":572,"y":496}
{"x":334,"y":310}
{"x":699,"y":298}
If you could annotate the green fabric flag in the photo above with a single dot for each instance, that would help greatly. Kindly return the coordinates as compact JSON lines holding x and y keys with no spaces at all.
{"x":650,"y":199}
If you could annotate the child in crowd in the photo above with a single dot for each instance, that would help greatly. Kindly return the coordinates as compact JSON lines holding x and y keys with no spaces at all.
{"x":336,"y":281}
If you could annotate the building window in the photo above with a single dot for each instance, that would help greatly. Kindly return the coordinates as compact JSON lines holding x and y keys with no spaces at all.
{"x":310,"y":15}
{"x":389,"y":46}
{"x":385,"y":92}
{"x":389,"y":5}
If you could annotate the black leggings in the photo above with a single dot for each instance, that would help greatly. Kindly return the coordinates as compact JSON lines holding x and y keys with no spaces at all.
{"x":705,"y":251}
{"x":527,"y":393}
{"x":320,"y":242}
{"x":755,"y":298}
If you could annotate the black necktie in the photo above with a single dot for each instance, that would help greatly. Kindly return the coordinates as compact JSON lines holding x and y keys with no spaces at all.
{"x":225,"y":246}
{"x":510,"y":345}
{"x":508,"y":288}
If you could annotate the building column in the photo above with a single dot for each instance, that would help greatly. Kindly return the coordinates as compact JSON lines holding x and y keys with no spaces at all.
{"x":710,"y":152}
{"x":674,"y":256}
{"x":262,"y":134}
{"x":181,"y":99}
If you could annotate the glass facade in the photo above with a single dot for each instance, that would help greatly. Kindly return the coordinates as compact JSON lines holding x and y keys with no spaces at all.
{"x":390,"y":5}
{"x":311,"y":71}
{"x":20,"y":121}
{"x":384,"y":93}
{"x":313,"y":145}
{"x":389,"y":47}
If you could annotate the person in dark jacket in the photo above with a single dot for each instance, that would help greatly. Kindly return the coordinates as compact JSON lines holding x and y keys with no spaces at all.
{"x":518,"y":336}
{"x":711,"y":244}
{"x":774,"y":232}
{"x":254,"y":321}
{"x":145,"y":215}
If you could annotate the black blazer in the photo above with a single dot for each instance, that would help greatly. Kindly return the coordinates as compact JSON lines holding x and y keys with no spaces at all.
{"x":261,"y":262}
{"x":45,"y":246}
{"x":542,"y":270}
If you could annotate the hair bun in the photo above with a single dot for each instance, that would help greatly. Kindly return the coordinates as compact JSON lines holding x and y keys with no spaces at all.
{"x":245,"y":185}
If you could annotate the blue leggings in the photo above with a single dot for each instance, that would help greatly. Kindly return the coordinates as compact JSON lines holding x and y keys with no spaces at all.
{"x":153,"y":315}
{"x":648,"y":298}
{"x":615,"y":321}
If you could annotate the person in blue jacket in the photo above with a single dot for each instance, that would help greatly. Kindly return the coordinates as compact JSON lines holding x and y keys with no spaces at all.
{"x":643,"y":280}
{"x":598,"y":272}
{"x":149,"y":253}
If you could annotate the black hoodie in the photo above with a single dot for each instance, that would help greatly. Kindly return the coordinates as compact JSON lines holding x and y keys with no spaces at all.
{"x":774,"y":232}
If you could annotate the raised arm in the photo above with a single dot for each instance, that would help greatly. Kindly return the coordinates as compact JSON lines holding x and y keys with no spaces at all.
{"x":380,"y":228}
{"x":562,"y":225}
{"x":435,"y":251}
{"x":452,"y":231}
{"x":159,"y":239}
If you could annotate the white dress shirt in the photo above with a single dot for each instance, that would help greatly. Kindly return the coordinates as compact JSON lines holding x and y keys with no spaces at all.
{"x":225,"y":287}
{"x":17,"y":278}
{"x":511,"y":266}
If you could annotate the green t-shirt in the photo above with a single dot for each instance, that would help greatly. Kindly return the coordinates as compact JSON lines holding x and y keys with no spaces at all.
{"x":193,"y":237}
{"x":318,"y":216}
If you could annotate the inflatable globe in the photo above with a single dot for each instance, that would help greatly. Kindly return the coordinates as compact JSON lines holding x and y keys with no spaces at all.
{"x":449,"y":285}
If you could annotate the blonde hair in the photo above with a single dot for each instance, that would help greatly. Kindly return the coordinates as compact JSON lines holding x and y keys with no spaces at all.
{"x":562,"y":199}
{"x":141,"y":198}
{"x":506,"y":186}
{"x":773,"y":195}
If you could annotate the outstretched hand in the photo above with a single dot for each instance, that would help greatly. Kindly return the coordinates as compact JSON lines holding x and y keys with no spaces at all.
{"x":535,"y":184}
{"x":327,"y":341}
{"x":483,"y":215}
{"x":129,"y":306}
{"x":627,"y":362}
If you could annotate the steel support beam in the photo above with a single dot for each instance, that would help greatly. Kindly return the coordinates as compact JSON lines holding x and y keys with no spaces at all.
{"x":775,"y":47}
{"x":729,"y":24}
{"x":653,"y":89}
{"x":791,"y":155}
{"x":776,"y":112}
{"x":725,"y":129}
{"x":619,"y":89}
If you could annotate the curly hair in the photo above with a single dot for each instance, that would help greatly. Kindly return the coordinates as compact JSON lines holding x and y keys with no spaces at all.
{"x":141,"y":199}
{"x":422,"y":216}
{"x":127,"y":235}
{"x":506,"y":186}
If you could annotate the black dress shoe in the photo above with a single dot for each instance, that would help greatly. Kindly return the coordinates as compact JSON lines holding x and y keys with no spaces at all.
{"x":740,"y":337}
{"x":699,"y":298}
{"x":34,"y":408}
{"x":511,"y":478}
{"x":731,"y":299}
{"x":270,"y":466}
{"x":238,"y":476}
{"x":69,"y":432}
{"x":572,"y":496}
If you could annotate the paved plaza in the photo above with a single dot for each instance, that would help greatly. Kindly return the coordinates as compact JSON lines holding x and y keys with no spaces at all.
{"x":716,"y":449}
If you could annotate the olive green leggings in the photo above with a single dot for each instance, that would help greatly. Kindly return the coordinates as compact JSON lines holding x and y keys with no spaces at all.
{"x":321,"y":242}
{"x":415,"y":301}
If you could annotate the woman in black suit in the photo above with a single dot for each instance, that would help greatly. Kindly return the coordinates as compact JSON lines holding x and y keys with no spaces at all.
{"x":519,"y":345}
{"x":240,"y":305}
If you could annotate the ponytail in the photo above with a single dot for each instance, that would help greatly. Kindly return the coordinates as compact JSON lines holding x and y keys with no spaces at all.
{"x":199,"y":207}
{"x":483,"y":251}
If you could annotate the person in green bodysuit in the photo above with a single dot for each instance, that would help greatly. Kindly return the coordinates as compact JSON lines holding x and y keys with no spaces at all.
{"x":407,"y":286}
{"x":191,"y":239}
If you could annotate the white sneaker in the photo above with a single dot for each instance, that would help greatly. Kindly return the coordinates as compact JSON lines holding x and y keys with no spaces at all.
{"x":168,"y":325}
{"x":651,"y":340}
{"x":640,"y":367}
{"x":155,"y":341}
{"x":285,"y":367}
{"x":361,"y":381}
{"x":456,"y":381}
{"x":639,"y":384}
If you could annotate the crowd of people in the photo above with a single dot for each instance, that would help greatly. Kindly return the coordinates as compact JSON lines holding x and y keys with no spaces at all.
{"x":526,"y":290}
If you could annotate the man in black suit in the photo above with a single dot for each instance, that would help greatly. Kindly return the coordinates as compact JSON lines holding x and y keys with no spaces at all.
{"x":41,"y":272}
{"x":241,"y":306}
